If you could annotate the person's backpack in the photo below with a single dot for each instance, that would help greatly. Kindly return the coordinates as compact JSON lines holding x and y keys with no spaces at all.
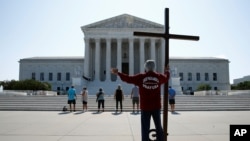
{"x":64,"y":109}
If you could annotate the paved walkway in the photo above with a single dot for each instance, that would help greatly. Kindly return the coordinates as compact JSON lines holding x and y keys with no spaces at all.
{"x":108,"y":126}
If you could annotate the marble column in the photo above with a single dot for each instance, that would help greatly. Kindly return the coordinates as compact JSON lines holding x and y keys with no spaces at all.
{"x":142,"y":54}
{"x":108,"y":59}
{"x":152,"y":49}
{"x":86,"y":58}
{"x":131,"y":56}
{"x":119,"y":54}
{"x":97,"y":59}
{"x":162,"y":54}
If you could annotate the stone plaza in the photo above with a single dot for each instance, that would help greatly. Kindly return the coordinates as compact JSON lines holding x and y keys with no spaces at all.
{"x":108,"y":126}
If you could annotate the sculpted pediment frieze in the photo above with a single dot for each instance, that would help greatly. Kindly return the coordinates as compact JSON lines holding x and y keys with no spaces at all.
{"x":124,"y":21}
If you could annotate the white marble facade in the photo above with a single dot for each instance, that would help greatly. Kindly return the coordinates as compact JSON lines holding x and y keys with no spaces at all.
{"x":111,"y":43}
{"x":58,"y":71}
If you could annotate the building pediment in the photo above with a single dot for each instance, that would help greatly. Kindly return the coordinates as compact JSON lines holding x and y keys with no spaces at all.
{"x":124,"y":21}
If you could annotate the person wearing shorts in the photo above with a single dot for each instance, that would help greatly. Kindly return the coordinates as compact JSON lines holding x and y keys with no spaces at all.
{"x":135,"y":98}
{"x":71,"y":102}
{"x":72,"y":98}
{"x":171,"y":97}
{"x":84,"y":99}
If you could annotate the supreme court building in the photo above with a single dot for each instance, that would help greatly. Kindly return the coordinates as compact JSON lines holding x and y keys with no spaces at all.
{"x":111,"y":43}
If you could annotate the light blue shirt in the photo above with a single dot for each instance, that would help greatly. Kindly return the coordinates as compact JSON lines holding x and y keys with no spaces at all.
{"x":71,"y":94}
{"x":171,"y":93}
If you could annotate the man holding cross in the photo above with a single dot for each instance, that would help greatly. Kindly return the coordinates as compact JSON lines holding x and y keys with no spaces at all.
{"x":166,"y":37}
{"x":149,"y":84}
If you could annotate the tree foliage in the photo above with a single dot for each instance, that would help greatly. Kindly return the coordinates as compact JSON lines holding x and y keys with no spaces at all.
{"x":28,"y":84}
{"x":202,"y":87}
{"x":241,"y":86}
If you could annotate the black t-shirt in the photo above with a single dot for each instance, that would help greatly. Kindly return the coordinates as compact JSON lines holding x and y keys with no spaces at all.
{"x":118,"y":95}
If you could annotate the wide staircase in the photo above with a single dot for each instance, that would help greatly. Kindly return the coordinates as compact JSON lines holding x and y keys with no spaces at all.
{"x":183,"y":103}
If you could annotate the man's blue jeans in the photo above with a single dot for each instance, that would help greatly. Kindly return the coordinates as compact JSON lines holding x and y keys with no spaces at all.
{"x":145,"y":124}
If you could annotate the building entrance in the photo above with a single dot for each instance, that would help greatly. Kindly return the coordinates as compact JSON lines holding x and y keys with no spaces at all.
{"x":125,"y":68}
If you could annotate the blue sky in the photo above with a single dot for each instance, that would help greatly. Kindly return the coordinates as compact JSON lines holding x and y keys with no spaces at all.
{"x":30,"y":28}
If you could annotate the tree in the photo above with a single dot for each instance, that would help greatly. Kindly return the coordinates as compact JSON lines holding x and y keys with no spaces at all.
{"x":241,"y":86}
{"x":202,"y":87}
{"x":28,"y":84}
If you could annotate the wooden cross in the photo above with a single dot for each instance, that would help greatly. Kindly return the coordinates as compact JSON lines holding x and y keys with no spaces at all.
{"x":166,"y":36}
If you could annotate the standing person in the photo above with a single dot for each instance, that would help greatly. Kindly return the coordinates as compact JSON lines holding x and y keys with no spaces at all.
{"x":72,"y":98}
{"x":100,"y":99}
{"x":119,"y":97}
{"x":135,"y":98}
{"x":84,"y":99}
{"x":171,"y":97}
{"x":149,"y":84}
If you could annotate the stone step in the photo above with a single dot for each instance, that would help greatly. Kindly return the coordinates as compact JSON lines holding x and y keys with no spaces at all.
{"x":183,"y":103}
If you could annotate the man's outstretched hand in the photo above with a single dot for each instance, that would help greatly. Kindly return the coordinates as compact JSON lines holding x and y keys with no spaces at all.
{"x":114,"y":70}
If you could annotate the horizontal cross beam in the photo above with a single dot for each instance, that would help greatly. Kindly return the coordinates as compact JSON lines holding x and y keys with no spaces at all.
{"x":170,"y":36}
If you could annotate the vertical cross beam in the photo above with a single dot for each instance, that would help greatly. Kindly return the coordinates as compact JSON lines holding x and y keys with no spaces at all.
{"x":166,"y":37}
{"x":165,"y":95}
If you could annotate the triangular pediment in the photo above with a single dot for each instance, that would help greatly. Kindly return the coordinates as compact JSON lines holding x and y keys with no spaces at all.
{"x":124,"y":21}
